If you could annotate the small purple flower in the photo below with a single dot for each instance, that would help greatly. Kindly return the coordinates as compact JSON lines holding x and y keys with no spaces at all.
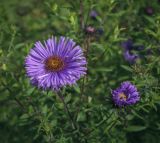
{"x":149,"y":52}
{"x":90,"y":30}
{"x":100,"y":31}
{"x":126,"y":94}
{"x":128,"y":48}
{"x":131,"y":58}
{"x":149,"y":10}
{"x":127,"y":45}
{"x":55,"y":64}
{"x":139,"y":47}
{"x":93,"y":14}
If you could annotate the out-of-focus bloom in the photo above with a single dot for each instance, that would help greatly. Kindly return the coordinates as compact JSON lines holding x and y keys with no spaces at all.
{"x":127,"y":45}
{"x":149,"y":10}
{"x":128,"y":48}
{"x":126,"y":94}
{"x":100,"y":31}
{"x":55,"y":64}
{"x":93,"y":14}
{"x":90,"y":30}
{"x":149,"y":52}
{"x":130,"y":57}
{"x":139,"y":47}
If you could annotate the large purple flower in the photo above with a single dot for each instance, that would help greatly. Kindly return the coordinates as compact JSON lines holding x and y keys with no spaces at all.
{"x":126,"y":94}
{"x":55,"y":64}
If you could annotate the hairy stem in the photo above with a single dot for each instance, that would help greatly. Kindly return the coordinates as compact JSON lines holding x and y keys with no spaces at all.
{"x":16,"y":99}
{"x":66,"y":109}
{"x":100,"y":124}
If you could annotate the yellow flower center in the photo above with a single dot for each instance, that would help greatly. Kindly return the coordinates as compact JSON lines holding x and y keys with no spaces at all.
{"x":54,"y":63}
{"x":122,"y":96}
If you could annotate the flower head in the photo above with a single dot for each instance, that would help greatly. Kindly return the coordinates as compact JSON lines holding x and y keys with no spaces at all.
{"x":126,"y":94}
{"x":100,"y":31}
{"x":127,"y":45}
{"x":139,"y":47}
{"x":55,"y":64}
{"x":130,"y":57}
{"x":90,"y":30}
{"x":128,"y":48}
{"x":93,"y":14}
{"x":149,"y":10}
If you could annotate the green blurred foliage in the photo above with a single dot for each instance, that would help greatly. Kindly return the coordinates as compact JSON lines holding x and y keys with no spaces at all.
{"x":30,"y":115}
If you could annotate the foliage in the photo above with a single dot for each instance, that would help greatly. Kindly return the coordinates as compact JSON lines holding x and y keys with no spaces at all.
{"x":28,"y":114}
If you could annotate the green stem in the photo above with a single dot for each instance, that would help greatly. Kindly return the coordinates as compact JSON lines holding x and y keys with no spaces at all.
{"x":81,"y":14}
{"x":66,"y":109}
{"x":101,"y":123}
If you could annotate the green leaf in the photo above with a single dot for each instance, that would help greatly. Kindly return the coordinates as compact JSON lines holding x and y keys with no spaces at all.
{"x":135,"y":128}
{"x":103,"y":70}
{"x":77,"y":88}
{"x":81,"y":116}
{"x":20,"y":45}
{"x":67,"y":98}
{"x":30,"y":91}
{"x":137,"y":115}
{"x":127,"y":68}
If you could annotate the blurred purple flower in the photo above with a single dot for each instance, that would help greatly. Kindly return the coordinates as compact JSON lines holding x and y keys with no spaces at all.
{"x":90,"y":30}
{"x":130,"y":57}
{"x":139,"y":47}
{"x":93,"y":14}
{"x":100,"y":31}
{"x":149,"y":10}
{"x":126,"y":94}
{"x":127,"y":45}
{"x":55,"y":64}
{"x":149,"y":52}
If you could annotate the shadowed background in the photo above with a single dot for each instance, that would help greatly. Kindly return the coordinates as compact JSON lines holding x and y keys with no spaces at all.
{"x":30,"y":115}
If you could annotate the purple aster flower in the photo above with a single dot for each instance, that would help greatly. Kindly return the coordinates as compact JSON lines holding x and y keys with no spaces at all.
{"x":130,"y":57}
{"x":126,"y":94}
{"x":127,"y":45}
{"x":93,"y":14}
{"x":55,"y":64}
